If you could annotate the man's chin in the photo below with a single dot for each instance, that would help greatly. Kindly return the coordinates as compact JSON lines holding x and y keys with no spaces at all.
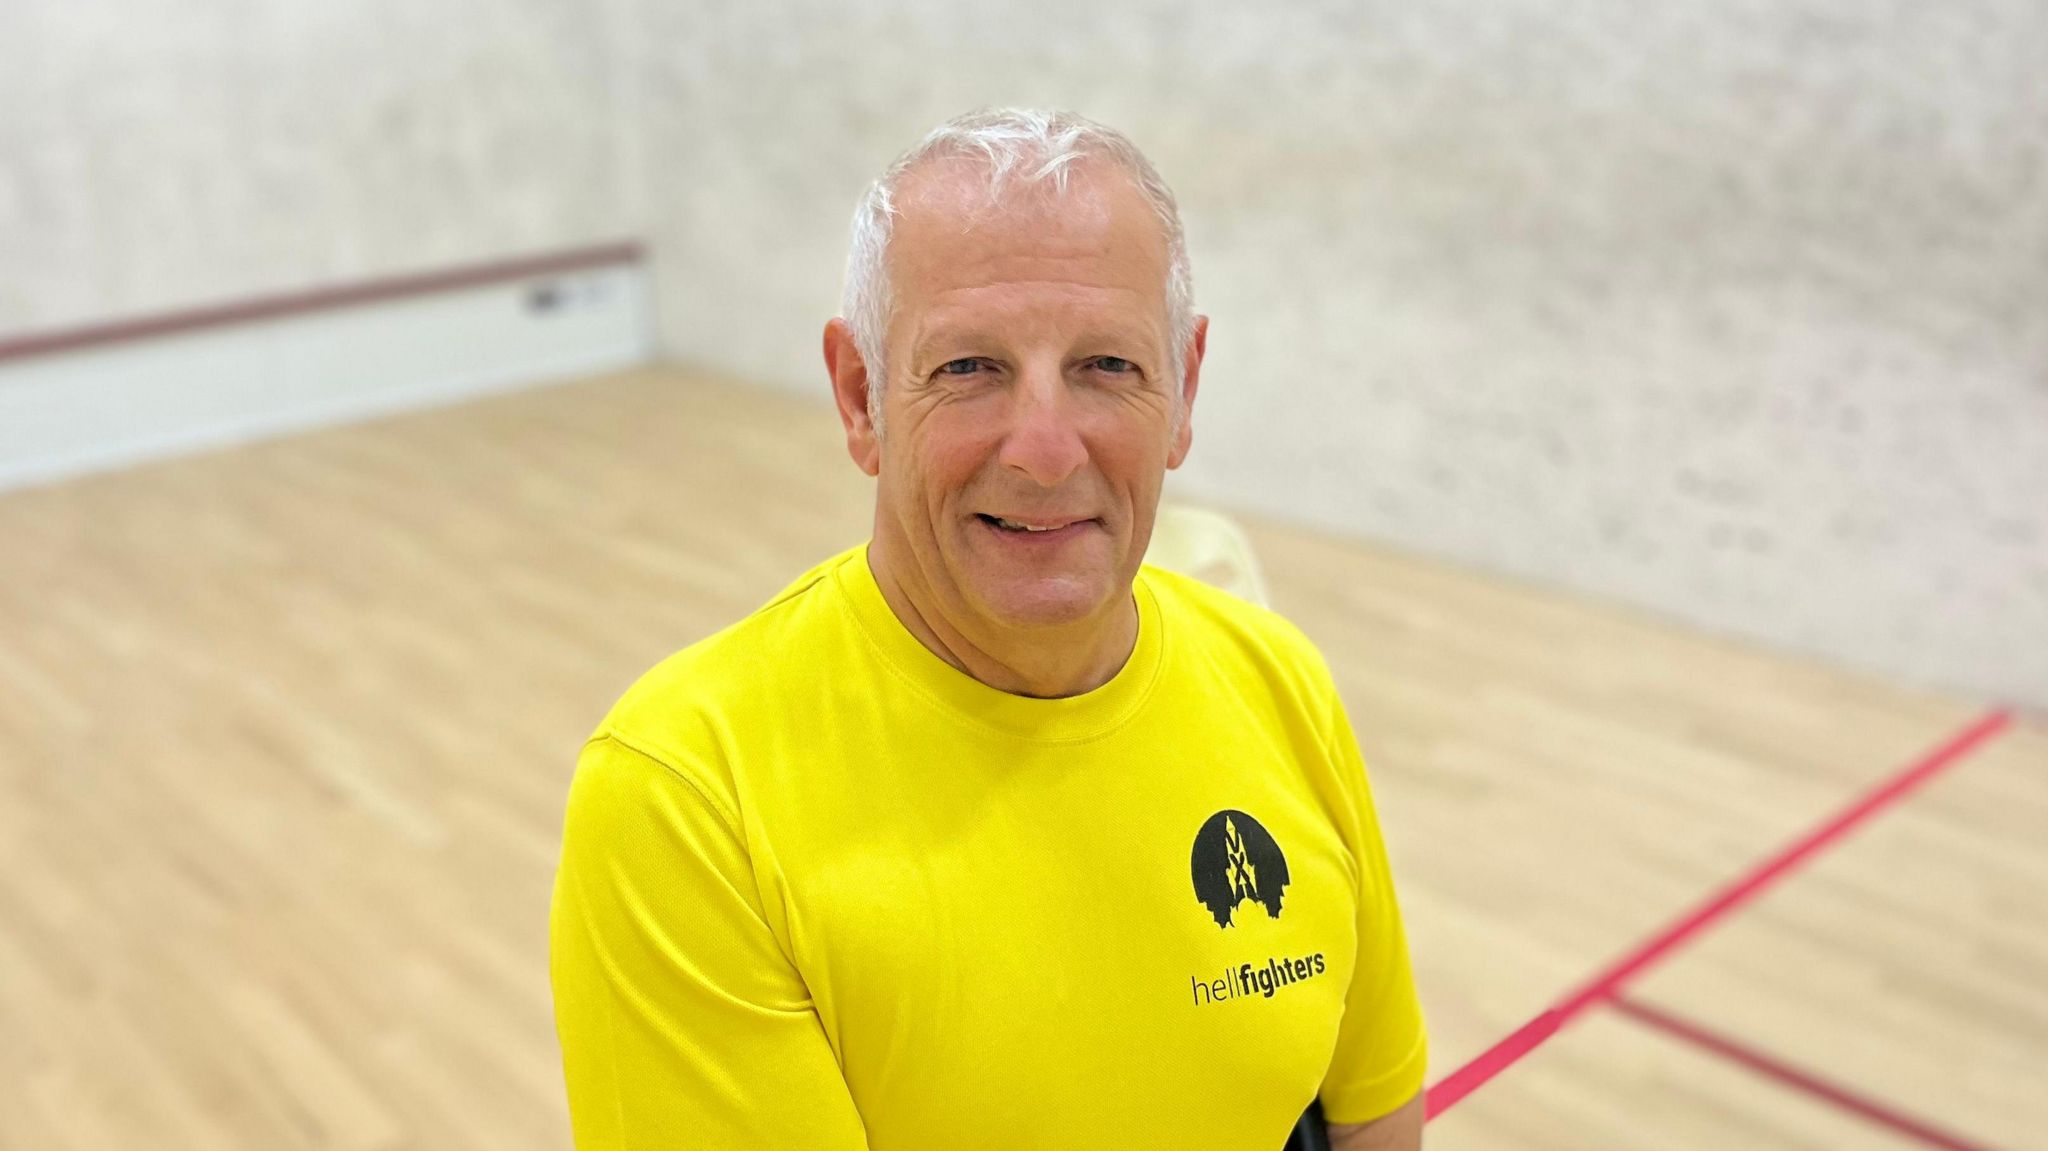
{"x":1044,"y":601}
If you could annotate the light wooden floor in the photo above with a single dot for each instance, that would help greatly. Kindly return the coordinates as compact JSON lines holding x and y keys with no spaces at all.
{"x":285,"y":733}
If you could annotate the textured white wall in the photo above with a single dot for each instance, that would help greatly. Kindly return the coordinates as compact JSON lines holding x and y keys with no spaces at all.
{"x":157,"y":156}
{"x":1737,"y":311}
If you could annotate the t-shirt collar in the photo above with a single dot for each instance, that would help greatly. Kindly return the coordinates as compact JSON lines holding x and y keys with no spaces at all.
{"x":1069,"y":719}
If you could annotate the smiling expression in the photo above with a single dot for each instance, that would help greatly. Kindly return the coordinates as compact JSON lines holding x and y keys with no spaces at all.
{"x":1030,"y":385}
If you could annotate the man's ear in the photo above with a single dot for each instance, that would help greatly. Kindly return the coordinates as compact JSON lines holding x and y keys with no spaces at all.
{"x":1190,"y":381}
{"x":850,"y":386}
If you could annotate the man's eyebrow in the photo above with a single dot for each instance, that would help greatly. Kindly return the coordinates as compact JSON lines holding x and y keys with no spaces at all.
{"x":943,"y":336}
{"x":1130,"y":335}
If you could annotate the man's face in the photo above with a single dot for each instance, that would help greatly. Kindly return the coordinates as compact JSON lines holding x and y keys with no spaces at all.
{"x":1029,"y":382}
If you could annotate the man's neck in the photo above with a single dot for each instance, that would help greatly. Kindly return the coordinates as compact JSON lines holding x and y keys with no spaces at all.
{"x":1047,"y":663}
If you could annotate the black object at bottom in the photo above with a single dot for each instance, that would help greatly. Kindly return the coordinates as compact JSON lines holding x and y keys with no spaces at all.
{"x":1310,"y":1133}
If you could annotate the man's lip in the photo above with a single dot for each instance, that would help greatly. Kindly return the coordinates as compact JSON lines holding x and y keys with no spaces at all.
{"x":1041,"y":522}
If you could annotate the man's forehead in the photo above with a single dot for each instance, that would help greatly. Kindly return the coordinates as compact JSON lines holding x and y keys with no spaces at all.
{"x":955,"y":189}
{"x":948,"y":229}
{"x":950,"y":196}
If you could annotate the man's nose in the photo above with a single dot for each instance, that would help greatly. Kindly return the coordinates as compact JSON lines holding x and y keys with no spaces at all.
{"x":1044,"y":439}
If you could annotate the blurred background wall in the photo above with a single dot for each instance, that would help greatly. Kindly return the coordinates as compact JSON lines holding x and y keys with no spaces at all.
{"x":1733,"y":311}
{"x":161,"y":156}
{"x":1737,"y":312}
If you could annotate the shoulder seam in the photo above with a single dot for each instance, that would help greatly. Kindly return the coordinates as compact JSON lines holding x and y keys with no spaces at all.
{"x":717,"y":806}
{"x":819,"y":574}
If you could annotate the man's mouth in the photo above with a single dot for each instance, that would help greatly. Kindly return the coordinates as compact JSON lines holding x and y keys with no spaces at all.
{"x":1031,"y":524}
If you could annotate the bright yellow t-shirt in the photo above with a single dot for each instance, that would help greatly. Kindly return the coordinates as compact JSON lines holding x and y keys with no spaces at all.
{"x":819,"y":890}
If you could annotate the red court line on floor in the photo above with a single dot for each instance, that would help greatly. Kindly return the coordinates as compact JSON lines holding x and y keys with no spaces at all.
{"x":1446,"y":1093}
{"x":1792,"y":1077}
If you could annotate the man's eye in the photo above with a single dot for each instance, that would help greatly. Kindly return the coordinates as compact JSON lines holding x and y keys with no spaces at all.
{"x":1115,"y":364}
{"x":960,"y":367}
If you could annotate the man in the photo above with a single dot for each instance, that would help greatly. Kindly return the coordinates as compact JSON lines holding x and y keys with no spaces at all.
{"x":981,"y":835}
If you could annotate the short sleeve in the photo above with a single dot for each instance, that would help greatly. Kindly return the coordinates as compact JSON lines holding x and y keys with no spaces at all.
{"x":1382,"y":1050}
{"x":682,"y":1022}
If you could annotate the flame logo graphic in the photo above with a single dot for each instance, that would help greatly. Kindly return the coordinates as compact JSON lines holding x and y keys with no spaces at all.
{"x":1236,"y":860}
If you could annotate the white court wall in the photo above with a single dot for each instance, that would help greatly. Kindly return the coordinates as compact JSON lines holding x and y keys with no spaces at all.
{"x":155,"y":157}
{"x":117,"y":404}
{"x":1737,"y":311}
{"x":1734,"y":311}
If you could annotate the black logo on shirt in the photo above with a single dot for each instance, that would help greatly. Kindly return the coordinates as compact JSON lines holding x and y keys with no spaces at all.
{"x":1236,"y":859}
{"x":1246,"y":979}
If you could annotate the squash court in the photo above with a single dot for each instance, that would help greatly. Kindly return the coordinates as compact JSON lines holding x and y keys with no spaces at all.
{"x":285,"y":730}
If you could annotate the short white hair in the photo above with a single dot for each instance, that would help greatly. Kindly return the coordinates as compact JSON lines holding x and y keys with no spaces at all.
{"x":1012,"y":143}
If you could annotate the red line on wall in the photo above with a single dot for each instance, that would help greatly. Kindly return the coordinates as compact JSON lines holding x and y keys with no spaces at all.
{"x":317,"y":299}
{"x":1770,"y":1068}
{"x":1446,"y":1093}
